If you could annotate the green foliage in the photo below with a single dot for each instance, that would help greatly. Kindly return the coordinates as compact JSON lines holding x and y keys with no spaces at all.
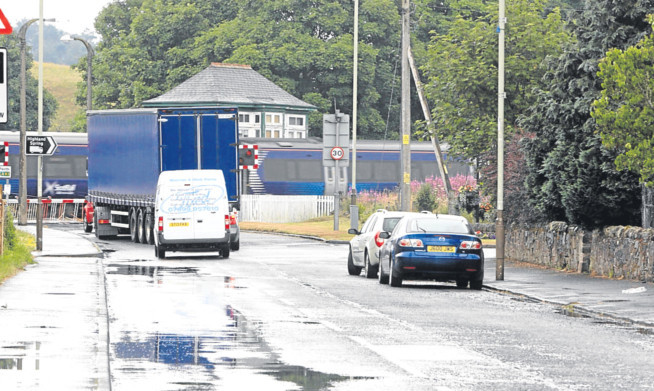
{"x":425,"y":199}
{"x":571,"y":176}
{"x":10,"y":230}
{"x":462,"y":71}
{"x":11,"y":42}
{"x":16,"y":255}
{"x":625,"y":111}
{"x":305,"y":47}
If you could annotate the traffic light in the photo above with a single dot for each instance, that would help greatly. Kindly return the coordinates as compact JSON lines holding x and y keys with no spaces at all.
{"x":4,"y":153}
{"x":248,"y":157}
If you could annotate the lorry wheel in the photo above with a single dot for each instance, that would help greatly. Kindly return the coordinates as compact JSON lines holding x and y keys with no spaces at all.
{"x":140,"y":226}
{"x":159,"y":252}
{"x":149,"y":235}
{"x":133,"y":223}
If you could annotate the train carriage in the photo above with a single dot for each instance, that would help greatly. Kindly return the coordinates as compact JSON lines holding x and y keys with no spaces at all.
{"x":294,"y":166}
{"x":286,"y":166}
{"x":64,"y":173}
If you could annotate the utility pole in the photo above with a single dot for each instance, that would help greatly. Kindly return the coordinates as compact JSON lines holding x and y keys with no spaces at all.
{"x":354,"y":208}
{"x":442,"y":168}
{"x":22,"y":164}
{"x":499,"y":224}
{"x":405,"y":126}
{"x":39,"y":182}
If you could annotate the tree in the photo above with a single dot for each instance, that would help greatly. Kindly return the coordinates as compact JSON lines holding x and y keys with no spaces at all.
{"x":571,"y":176}
{"x":625,"y":111}
{"x":11,"y":42}
{"x":304,"y":46}
{"x":462,"y":72}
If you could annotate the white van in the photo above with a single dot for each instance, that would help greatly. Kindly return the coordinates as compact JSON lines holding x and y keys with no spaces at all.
{"x":191,"y":212}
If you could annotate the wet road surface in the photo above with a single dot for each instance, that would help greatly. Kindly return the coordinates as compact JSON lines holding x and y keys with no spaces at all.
{"x":282,"y":314}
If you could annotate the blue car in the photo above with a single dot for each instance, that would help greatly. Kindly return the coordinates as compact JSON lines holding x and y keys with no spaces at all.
{"x":432,"y":247}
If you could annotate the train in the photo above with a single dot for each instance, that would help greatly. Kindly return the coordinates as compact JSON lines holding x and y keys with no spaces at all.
{"x":285,"y":166}
{"x":295,"y":166}
{"x":65,"y":173}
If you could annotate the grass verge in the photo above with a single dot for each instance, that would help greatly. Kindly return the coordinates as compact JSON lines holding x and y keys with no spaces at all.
{"x":322,"y":227}
{"x":18,"y":256}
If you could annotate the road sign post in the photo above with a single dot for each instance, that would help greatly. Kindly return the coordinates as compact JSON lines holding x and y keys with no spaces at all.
{"x":4,"y":99}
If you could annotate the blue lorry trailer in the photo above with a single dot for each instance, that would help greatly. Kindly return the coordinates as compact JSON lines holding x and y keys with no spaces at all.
{"x":129,"y":148}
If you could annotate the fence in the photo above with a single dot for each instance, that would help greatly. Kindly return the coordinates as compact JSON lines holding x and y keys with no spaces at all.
{"x":284,"y":209}
{"x":54,"y":211}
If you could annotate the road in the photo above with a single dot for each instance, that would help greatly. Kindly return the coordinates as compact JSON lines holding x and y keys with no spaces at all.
{"x":282,"y":314}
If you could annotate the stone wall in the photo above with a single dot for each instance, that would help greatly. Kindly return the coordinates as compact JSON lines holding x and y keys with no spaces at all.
{"x":615,"y":252}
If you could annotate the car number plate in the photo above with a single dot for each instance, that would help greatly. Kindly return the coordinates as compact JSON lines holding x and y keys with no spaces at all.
{"x":179,"y":224}
{"x":441,"y":249}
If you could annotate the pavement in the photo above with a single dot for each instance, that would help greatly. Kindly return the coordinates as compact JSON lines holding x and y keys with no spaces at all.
{"x":53,"y":318}
{"x":57,"y":307}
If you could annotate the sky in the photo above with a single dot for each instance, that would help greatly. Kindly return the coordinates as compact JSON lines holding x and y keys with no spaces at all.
{"x":73,"y":16}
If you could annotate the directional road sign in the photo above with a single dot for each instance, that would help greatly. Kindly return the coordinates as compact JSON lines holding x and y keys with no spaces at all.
{"x":40,"y":145}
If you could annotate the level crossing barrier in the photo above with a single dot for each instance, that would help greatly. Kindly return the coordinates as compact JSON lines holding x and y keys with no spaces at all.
{"x":54,"y":211}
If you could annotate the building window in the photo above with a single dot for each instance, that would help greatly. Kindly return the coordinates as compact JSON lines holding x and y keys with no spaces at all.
{"x":276,"y":133}
{"x":276,"y":118}
{"x":268,"y":133}
{"x":298,"y":121}
{"x":268,"y":119}
{"x":244,"y":118}
{"x":257,"y":118}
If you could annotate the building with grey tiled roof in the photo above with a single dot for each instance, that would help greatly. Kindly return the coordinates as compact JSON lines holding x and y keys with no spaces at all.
{"x":265,"y":109}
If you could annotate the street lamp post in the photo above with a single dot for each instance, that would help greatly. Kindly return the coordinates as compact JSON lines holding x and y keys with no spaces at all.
{"x":89,"y":69}
{"x":22,"y":166}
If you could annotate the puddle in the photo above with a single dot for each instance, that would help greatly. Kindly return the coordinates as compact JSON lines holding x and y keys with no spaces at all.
{"x":234,"y":345}
{"x":150,"y":271}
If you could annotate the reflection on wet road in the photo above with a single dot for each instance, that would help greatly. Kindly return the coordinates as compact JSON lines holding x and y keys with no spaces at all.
{"x":192,"y":340}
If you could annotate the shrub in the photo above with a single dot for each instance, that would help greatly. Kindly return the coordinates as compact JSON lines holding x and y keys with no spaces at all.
{"x":425,"y":199}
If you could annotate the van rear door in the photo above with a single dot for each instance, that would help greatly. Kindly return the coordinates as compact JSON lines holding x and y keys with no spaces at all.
{"x":193,"y":205}
{"x":211,"y":211}
{"x":178,"y":218}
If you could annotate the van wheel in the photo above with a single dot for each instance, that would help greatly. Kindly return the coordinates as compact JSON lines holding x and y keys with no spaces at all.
{"x":225,"y":252}
{"x":149,"y":234}
{"x":140,"y":226}
{"x":235,"y":245}
{"x":133,"y":223}
{"x":159,"y":252}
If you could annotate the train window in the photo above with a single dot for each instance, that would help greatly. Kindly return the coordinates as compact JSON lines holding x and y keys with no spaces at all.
{"x":68,"y":167}
{"x":71,"y":167}
{"x":309,"y":170}
{"x":281,"y":170}
{"x":386,"y":171}
{"x":424,"y":169}
{"x":364,"y":170}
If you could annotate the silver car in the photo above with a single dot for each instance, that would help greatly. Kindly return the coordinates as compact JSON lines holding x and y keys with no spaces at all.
{"x":365,"y":246}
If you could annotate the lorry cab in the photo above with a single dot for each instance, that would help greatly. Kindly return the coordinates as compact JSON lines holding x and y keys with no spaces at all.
{"x":191,"y":212}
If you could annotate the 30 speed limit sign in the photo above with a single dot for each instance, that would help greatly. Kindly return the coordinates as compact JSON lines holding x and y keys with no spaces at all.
{"x":337,"y":153}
